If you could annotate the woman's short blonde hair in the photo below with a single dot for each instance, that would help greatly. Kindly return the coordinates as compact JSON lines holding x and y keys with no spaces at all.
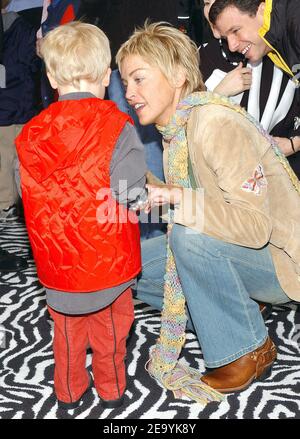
{"x":76,"y":51}
{"x":167,"y":48}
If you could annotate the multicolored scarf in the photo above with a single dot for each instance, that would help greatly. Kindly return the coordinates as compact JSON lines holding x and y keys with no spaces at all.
{"x":163,"y":363}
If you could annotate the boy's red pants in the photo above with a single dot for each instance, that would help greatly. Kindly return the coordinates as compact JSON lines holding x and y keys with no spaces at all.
{"x":105,"y":332}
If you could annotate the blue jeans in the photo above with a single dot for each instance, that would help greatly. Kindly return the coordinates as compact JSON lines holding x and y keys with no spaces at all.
{"x":152,"y":142}
{"x":219,"y":281}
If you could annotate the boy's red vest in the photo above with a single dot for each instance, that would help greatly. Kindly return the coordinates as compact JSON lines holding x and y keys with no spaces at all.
{"x":82,"y":239}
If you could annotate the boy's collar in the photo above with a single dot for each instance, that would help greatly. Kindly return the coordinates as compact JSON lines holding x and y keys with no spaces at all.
{"x":76,"y":96}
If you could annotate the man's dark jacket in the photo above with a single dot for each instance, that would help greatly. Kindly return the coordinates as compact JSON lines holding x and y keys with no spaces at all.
{"x":281,"y":32}
{"x":18,"y":98}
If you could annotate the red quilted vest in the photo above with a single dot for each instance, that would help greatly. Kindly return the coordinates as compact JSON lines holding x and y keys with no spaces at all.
{"x":82,"y":239}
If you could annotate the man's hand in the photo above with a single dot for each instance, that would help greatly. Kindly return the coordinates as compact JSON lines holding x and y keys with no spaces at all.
{"x":235,"y":82}
{"x":286,"y":146}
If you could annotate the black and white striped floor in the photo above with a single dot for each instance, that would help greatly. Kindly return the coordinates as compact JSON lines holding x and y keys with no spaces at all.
{"x":26,"y":361}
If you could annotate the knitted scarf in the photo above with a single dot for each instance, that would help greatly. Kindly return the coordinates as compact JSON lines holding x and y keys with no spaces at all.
{"x":163,"y":364}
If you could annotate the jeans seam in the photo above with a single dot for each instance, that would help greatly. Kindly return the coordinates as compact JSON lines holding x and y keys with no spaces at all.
{"x":218,"y":254}
{"x":242,"y":300}
{"x":215,"y":255}
{"x":235,"y":356}
{"x":254,"y":266}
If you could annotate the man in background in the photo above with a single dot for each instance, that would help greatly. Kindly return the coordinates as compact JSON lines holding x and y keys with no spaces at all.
{"x":265,"y":28}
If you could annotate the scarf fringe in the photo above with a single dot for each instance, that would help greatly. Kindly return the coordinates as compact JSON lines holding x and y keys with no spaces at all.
{"x":185,"y":381}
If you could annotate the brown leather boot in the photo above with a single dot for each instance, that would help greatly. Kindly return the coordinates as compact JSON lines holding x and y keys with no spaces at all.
{"x":239,"y":374}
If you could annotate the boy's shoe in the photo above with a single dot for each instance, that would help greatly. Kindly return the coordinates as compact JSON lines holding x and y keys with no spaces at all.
{"x":73,"y":405}
{"x":113,"y":403}
{"x":9,"y":214}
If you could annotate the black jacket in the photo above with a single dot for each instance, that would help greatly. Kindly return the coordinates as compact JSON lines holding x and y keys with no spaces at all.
{"x":1,"y":36}
{"x":215,"y":58}
{"x":281,"y":32}
{"x":118,"y":18}
{"x":18,"y":100}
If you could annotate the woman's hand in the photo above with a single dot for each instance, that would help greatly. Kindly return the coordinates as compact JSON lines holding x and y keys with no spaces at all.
{"x":235,"y":82}
{"x":166,"y":194}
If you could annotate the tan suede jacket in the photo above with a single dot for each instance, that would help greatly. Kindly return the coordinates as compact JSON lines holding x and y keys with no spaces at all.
{"x":247,"y":197}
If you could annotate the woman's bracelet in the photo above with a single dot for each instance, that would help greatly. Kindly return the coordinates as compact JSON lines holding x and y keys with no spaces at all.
{"x":292,"y":144}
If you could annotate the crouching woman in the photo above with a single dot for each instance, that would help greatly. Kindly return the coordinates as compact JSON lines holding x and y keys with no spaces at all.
{"x":234,"y":234}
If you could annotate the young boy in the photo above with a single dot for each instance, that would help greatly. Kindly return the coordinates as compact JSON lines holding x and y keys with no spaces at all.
{"x":85,"y":242}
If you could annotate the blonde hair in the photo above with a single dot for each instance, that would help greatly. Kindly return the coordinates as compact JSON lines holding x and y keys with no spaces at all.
{"x":76,"y":51}
{"x":167,"y":48}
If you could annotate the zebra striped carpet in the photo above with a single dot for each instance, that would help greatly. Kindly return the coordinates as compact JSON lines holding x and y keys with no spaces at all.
{"x":26,"y":361}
